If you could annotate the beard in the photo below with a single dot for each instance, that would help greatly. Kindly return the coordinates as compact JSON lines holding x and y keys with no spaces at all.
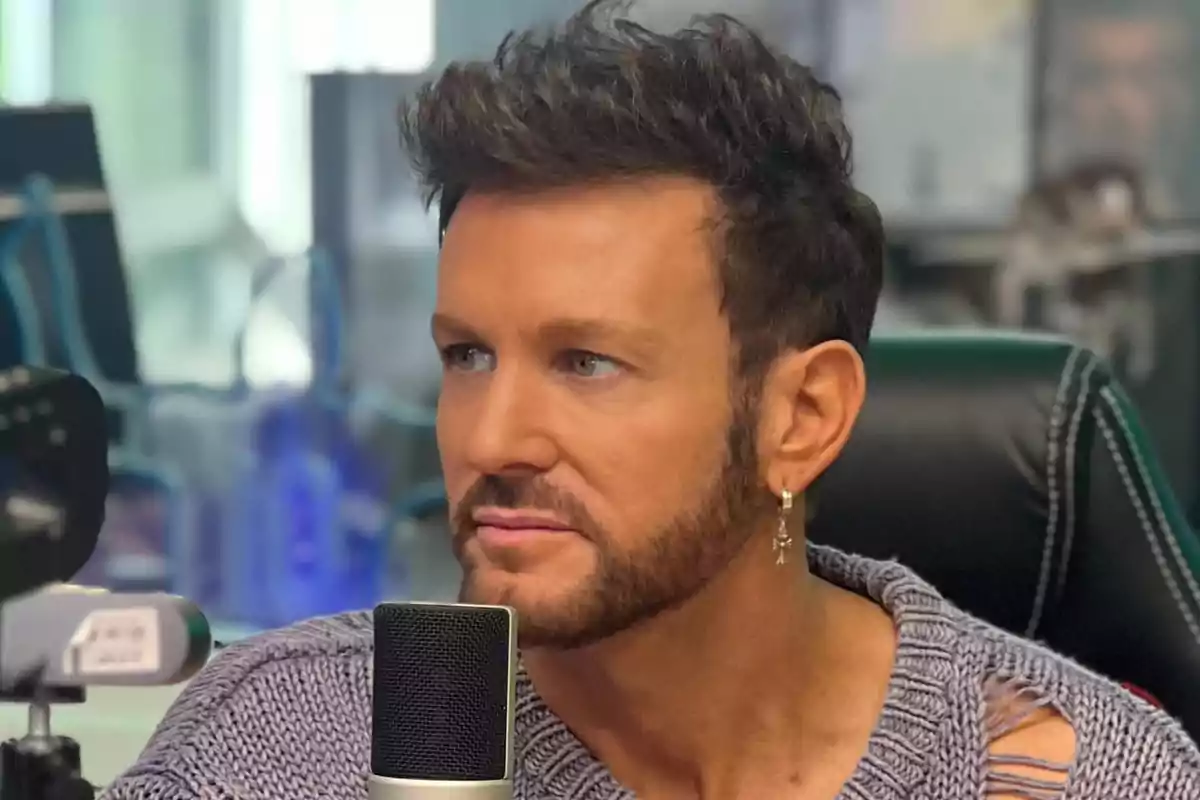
{"x":630,"y":585}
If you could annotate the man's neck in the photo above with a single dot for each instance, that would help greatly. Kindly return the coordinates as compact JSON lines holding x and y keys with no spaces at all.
{"x":753,"y":684}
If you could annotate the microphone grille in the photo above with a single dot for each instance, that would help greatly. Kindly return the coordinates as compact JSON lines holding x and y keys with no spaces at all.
{"x":443,"y":682}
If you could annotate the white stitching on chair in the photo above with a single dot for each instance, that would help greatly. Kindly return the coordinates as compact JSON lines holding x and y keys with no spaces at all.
{"x":1053,"y":491}
{"x":1147,"y":528}
{"x":1159,"y":514}
{"x":1085,"y":377}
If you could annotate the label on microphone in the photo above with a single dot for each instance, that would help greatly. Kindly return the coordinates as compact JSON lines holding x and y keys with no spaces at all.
{"x":65,"y":637}
{"x":112,"y":641}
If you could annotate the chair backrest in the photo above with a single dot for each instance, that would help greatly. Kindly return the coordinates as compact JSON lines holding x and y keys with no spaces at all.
{"x":1012,"y":472}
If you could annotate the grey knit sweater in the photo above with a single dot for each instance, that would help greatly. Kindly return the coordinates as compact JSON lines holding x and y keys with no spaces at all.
{"x":286,"y":716}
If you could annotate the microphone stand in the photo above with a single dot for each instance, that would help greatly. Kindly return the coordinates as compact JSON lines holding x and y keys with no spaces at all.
{"x":41,"y":765}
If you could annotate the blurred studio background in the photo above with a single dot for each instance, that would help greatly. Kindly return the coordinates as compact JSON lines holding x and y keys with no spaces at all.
{"x":203,"y":208}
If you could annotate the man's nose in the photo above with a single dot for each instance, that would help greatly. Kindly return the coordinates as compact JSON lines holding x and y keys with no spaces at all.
{"x":510,"y":434}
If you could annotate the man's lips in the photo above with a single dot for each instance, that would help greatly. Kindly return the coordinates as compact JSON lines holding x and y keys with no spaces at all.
{"x":502,"y":529}
{"x":518,"y":520}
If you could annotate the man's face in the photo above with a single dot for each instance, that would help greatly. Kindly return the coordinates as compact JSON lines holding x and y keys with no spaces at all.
{"x":597,"y":467}
{"x":1125,"y":86}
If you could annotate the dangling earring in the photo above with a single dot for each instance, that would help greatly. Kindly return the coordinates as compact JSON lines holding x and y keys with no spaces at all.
{"x":783,"y":540}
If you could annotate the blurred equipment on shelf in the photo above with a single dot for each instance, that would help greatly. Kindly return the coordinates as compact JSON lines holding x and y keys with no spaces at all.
{"x":1076,"y":262}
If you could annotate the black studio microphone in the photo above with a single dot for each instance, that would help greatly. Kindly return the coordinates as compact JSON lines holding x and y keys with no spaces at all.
{"x":442,"y":710}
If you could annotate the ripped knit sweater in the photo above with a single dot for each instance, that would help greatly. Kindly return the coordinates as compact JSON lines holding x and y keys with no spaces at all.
{"x":286,"y":716}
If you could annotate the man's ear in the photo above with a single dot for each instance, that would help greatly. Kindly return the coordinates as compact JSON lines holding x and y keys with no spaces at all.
{"x":810,"y":401}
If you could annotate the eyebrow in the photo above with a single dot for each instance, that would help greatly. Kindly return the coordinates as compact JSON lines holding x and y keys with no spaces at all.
{"x":448,"y":326}
{"x":641,"y":339}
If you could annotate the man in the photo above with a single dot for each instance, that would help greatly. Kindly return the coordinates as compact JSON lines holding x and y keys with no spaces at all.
{"x":1119,"y":86}
{"x":655,"y":283}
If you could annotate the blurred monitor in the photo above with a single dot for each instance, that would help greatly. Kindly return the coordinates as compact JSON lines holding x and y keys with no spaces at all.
{"x":1115,"y":81}
{"x":60,"y":143}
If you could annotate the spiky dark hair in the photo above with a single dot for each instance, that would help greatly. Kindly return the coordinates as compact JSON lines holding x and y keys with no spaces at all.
{"x":800,"y":251}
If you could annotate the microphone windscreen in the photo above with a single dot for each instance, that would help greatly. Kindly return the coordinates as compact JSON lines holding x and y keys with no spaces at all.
{"x":53,"y":476}
{"x":443,"y":692}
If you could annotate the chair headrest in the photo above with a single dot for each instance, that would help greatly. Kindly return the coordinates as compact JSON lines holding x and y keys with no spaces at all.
{"x":950,"y":469}
{"x":1011,"y":472}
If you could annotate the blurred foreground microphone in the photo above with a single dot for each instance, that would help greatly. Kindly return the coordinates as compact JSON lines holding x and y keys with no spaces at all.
{"x":71,"y":639}
{"x":442,"y":714}
{"x":54,"y":643}
{"x":53,"y":476}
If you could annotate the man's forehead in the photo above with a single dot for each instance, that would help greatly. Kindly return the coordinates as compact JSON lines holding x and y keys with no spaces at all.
{"x":654,"y":206}
{"x":591,"y":247}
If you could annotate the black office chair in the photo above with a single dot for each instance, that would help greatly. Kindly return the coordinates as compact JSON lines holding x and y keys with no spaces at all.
{"x":1012,"y":473}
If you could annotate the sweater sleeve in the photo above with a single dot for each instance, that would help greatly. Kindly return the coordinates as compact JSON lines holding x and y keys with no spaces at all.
{"x":1127,"y":748}
{"x":285,"y":714}
{"x":150,"y":786}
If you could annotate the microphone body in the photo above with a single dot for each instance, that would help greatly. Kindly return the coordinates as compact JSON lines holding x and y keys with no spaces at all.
{"x":442,"y":709}
{"x":77,"y":638}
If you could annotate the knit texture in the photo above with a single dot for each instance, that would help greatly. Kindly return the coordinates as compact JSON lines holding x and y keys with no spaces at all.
{"x":287,"y":715}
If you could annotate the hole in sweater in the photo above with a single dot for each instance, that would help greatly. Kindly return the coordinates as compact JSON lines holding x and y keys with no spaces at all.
{"x":1031,"y":743}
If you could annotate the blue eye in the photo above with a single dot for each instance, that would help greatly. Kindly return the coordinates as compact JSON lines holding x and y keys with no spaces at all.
{"x":467,"y":358}
{"x":585,"y":364}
